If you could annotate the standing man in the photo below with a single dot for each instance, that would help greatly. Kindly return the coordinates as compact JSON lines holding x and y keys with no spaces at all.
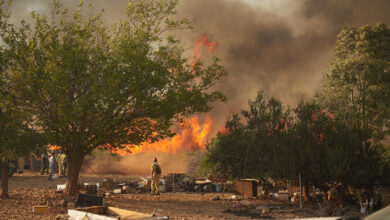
{"x":45,"y":163}
{"x":156,"y":172}
{"x":64,"y":164}
{"x":51,"y":163}
{"x":21,"y":162}
{"x":61,"y":160}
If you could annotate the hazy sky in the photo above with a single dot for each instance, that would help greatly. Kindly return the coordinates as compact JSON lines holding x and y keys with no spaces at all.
{"x":280,"y":46}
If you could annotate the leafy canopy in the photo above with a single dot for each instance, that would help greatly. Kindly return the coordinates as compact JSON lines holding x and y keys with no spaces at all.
{"x":356,"y":84}
{"x":89,"y":85}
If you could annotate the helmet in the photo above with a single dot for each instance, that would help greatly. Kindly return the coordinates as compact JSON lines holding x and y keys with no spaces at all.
{"x":155,"y":159}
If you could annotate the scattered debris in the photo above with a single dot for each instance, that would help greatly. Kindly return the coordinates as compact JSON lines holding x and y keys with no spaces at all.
{"x":63,"y":203}
{"x":215,"y":198}
{"x":107,"y":213}
{"x":281,"y":195}
{"x":86,"y":200}
{"x":61,"y":187}
{"x":249,"y":204}
{"x":264,"y":209}
{"x":108,"y":184}
{"x":117,"y":191}
{"x":62,"y":217}
{"x":94,"y":184}
{"x":40,"y":209}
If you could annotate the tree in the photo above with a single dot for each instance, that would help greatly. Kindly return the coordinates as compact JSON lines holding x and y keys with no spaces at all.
{"x":307,"y":135}
{"x":93,"y":87}
{"x":356,"y":84}
{"x":268,"y":121}
{"x":18,"y":134}
{"x":15,"y":138}
{"x":334,"y":151}
{"x":252,"y":147}
{"x":226,"y":154}
{"x":273,"y":141}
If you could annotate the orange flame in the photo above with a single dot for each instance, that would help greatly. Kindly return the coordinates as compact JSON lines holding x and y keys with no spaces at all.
{"x":223,"y":131}
{"x":190,"y":138}
{"x":202,"y":41}
{"x":53,"y":148}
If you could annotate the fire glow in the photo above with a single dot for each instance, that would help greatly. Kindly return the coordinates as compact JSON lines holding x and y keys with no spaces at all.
{"x":192,"y":137}
{"x":197,"y":54}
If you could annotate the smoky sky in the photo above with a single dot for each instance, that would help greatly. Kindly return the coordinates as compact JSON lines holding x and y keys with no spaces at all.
{"x":283,"y":50}
{"x":282,"y":47}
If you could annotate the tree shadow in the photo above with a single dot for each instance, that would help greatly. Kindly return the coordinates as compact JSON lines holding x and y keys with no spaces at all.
{"x":247,"y":213}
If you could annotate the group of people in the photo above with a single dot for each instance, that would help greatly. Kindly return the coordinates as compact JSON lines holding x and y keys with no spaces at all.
{"x":49,"y":160}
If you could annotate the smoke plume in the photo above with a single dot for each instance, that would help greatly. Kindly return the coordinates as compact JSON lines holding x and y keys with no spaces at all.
{"x":140,"y":164}
{"x":281,"y":47}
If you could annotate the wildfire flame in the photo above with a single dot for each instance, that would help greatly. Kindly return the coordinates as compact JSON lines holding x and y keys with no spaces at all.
{"x":192,"y":137}
{"x":202,"y":41}
{"x":53,"y":148}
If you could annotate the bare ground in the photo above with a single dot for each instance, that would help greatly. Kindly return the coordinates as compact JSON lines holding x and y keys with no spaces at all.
{"x":29,"y":189}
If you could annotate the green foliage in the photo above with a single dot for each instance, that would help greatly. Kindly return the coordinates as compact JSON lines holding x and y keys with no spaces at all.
{"x":276,"y":142}
{"x":227,"y":153}
{"x":18,"y":135}
{"x":356,"y":84}
{"x":251,"y":148}
{"x":91,"y":86}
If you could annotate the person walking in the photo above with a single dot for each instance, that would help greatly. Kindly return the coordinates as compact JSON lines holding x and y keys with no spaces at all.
{"x":156,"y":172}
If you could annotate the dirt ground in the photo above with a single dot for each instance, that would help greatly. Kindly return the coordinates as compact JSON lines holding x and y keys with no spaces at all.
{"x":29,"y":189}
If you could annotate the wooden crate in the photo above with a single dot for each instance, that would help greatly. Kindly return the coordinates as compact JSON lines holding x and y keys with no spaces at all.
{"x":40,"y":209}
{"x":246,"y":187}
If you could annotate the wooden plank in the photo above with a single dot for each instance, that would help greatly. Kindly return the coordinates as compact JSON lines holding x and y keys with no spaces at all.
{"x":40,"y":209}
{"x":97,"y":213}
{"x":81,"y":215}
{"x":93,"y":209}
{"x":126,"y":214}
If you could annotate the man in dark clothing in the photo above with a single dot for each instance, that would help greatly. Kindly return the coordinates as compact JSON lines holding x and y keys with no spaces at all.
{"x":45,"y":164}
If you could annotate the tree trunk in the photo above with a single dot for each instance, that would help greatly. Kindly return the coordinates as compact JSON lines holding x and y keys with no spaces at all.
{"x":342,"y":195}
{"x":75,"y":160}
{"x":4,"y":179}
{"x":306,"y":191}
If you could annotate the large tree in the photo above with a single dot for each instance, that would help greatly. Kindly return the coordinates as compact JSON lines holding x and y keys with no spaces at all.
{"x":90,"y":86}
{"x":18,"y":133}
{"x":357,"y":83}
{"x":17,"y":137}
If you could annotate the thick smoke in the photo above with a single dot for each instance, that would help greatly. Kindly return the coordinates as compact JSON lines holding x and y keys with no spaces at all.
{"x":140,"y":164}
{"x":281,"y":47}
